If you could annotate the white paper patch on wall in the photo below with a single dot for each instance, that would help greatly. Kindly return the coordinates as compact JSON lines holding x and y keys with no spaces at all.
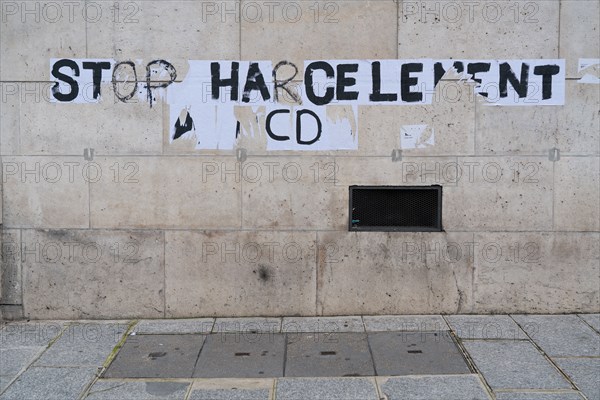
{"x":218,"y":104}
{"x":312,"y":128}
{"x":416,"y":136}
{"x":591,"y":66}
{"x":532,"y":82}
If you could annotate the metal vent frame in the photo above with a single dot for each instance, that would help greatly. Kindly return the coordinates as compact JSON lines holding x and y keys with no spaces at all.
{"x":437,"y":227}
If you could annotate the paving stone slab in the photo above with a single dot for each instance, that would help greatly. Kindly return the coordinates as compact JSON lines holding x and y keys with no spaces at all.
{"x":584,"y":372}
{"x":247,"y":325}
{"x":4,"y":381}
{"x":464,"y":387}
{"x":322,"y":324}
{"x":328,"y":354}
{"x":12,"y":360}
{"x":156,"y":356}
{"x":174,"y":326}
{"x":30,"y":333}
{"x":86,"y":344}
{"x":230,"y":394}
{"x":232,"y":388}
{"x":485,"y":327}
{"x":512,"y":364}
{"x":326,"y":389}
{"x":412,"y":353}
{"x":112,"y":390}
{"x":538,"y":396}
{"x":416,"y":323}
{"x":561,"y":335}
{"x":592,"y":319}
{"x":48,"y":383}
{"x":241,"y":355}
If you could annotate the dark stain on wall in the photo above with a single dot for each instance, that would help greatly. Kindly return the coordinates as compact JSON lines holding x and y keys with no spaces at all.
{"x":264,"y":273}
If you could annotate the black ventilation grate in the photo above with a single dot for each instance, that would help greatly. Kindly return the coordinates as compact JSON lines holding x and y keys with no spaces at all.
{"x":395,"y":208}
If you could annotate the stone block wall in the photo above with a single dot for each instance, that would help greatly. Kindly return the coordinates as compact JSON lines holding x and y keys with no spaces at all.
{"x":103,"y":217}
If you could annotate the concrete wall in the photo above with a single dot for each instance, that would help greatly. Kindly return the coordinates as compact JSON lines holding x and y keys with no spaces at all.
{"x":153,"y":230}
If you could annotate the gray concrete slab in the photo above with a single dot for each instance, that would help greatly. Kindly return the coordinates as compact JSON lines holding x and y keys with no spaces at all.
{"x":584,"y":372}
{"x":417,"y":323}
{"x":485,"y":327}
{"x":46,"y":383}
{"x":232,"y":388}
{"x":247,"y":325}
{"x":233,"y":355}
{"x":326,"y":389}
{"x":464,"y":387}
{"x":156,"y":356}
{"x":12,"y":360}
{"x":112,"y":390}
{"x":561,"y":335}
{"x":230,"y":394}
{"x":174,"y":326}
{"x":4,"y":381}
{"x":328,"y":354}
{"x":35,"y":333}
{"x":411,"y":353}
{"x":539,"y":396}
{"x":86,"y":344}
{"x":592,"y":319}
{"x":511,"y":364}
{"x":322,"y":324}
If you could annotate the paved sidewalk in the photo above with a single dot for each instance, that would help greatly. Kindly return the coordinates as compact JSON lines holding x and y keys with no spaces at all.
{"x":520,"y":357}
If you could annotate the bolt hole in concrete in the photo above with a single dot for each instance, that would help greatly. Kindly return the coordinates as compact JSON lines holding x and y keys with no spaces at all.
{"x":235,"y":355}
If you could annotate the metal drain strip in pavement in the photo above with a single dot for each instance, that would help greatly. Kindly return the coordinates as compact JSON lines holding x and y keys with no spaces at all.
{"x":273,"y":355}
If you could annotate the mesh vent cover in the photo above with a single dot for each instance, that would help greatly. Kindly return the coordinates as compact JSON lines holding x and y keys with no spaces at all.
{"x":395,"y":208}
